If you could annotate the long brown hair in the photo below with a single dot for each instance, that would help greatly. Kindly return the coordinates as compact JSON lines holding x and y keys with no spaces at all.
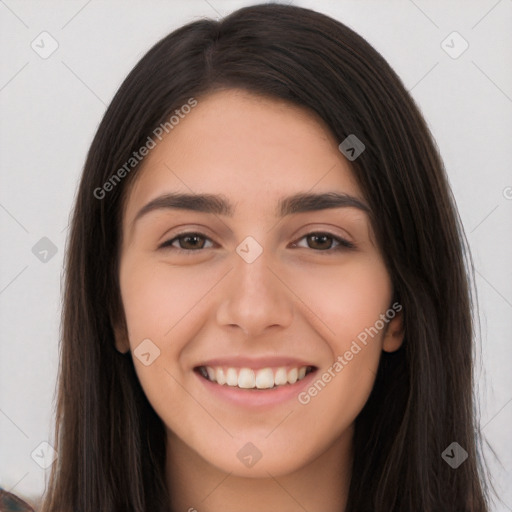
{"x":111,"y":443}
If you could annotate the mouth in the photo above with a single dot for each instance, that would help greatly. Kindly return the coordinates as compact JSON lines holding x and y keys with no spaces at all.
{"x":262,"y":379}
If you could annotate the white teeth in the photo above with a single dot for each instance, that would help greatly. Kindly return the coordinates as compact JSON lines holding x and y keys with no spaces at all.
{"x":265,"y":378}
{"x":246,"y":378}
{"x":280,"y":377}
{"x":219,"y":376}
{"x":231,"y":377}
{"x":292,"y":375}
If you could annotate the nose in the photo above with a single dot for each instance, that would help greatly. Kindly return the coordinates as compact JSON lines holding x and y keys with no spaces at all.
{"x":256,"y":296}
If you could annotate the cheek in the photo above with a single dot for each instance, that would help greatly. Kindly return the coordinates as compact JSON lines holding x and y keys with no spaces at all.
{"x":352,"y":305}
{"x":346,"y":298}
{"x":158,"y":298}
{"x":349,"y":301}
{"x":163,"y":304}
{"x":160,"y":303}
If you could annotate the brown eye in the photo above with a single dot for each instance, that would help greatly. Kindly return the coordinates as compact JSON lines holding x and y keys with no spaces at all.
{"x":323,"y":242}
{"x":188,"y":242}
{"x":320,"y":241}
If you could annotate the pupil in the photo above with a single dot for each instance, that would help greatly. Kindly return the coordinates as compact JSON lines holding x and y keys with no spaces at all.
{"x":316,"y":237}
{"x":192,"y":237}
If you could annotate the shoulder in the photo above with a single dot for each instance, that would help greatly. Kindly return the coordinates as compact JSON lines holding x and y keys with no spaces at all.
{"x":11,"y":503}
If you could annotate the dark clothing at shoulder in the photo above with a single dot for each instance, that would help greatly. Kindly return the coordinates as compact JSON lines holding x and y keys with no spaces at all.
{"x":11,"y":503}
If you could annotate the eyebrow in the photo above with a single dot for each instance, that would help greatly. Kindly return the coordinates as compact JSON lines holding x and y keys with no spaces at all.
{"x":219,"y":205}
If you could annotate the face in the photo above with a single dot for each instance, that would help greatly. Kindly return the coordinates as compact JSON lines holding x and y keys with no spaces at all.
{"x":289,"y":302}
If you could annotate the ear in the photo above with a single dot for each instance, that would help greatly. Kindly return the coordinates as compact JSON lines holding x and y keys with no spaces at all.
{"x":394,"y":333}
{"x":121,"y":337}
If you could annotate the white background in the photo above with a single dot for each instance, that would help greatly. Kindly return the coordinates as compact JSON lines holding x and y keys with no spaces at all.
{"x":50,"y":109}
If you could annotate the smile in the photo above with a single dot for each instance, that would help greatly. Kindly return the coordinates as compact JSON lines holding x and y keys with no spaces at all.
{"x":247,"y":378}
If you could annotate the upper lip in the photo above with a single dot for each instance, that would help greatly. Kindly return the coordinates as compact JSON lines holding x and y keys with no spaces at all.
{"x":255,"y":363}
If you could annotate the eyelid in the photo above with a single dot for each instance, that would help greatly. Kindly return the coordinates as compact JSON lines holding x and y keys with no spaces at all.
{"x":342,"y":242}
{"x":166,"y":245}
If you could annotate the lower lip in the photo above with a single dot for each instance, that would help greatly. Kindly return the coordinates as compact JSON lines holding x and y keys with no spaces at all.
{"x":257,"y":398}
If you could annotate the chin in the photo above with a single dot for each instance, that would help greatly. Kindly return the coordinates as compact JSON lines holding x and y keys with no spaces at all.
{"x":259,"y":458}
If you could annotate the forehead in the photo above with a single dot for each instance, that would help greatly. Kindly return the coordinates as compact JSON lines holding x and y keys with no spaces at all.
{"x":251,"y":149}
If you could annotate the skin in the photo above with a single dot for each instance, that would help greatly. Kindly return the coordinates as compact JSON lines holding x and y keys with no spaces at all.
{"x":306,"y":301}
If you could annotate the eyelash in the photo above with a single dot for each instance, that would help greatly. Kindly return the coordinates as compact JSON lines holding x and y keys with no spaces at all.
{"x":343,"y":244}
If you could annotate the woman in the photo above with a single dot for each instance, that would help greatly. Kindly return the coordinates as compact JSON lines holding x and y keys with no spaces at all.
{"x":263,"y":368}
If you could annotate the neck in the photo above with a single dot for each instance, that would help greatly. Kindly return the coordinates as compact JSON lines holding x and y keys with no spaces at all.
{"x":195,"y":485}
